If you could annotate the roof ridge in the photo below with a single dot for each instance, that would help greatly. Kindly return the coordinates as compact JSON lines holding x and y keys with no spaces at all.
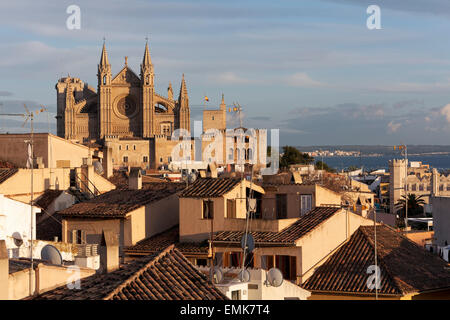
{"x":135,"y":275}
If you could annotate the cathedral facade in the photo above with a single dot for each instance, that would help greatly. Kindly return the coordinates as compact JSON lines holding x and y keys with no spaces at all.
{"x":124,"y":106}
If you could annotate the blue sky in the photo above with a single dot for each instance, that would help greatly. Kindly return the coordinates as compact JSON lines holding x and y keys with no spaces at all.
{"x":310,"y":68}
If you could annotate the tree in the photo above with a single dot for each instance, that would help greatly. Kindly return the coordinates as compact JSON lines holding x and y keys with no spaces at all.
{"x":292,"y":155}
{"x":415,"y":205}
{"x":322,"y":165}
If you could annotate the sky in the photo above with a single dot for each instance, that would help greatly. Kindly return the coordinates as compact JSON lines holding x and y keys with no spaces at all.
{"x":311,"y":69}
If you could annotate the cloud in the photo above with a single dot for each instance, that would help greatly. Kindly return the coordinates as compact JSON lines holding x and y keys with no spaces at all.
{"x":5,"y":94}
{"x":445,"y":111}
{"x":231,"y":78}
{"x":301,"y":79}
{"x":393,"y":127}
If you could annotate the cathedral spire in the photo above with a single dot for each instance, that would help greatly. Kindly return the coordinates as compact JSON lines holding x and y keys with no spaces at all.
{"x":146,"y":61}
{"x":104,"y":58}
{"x":183,"y":89}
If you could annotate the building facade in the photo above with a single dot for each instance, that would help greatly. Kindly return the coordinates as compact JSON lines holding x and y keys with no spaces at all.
{"x":125,"y":105}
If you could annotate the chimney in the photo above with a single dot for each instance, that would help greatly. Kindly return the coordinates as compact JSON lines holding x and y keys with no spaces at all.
{"x":107,"y":160}
{"x":4,"y":271}
{"x":109,"y":252}
{"x":135,"y":179}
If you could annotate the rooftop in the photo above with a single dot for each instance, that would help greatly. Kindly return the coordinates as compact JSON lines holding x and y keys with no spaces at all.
{"x":210,"y":187}
{"x":405,"y":266}
{"x":288,"y":235}
{"x":164,"y":276}
{"x":7,"y":173}
{"x":119,"y":202}
{"x":159,"y":242}
{"x":47,"y":198}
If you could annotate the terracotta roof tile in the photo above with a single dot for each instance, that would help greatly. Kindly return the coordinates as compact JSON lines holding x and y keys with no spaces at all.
{"x":159,"y":242}
{"x":47,"y":198}
{"x":164,"y":276}
{"x":210,"y":187}
{"x":5,"y":174}
{"x":117,"y":203}
{"x":405,"y":267}
{"x":288,"y":235}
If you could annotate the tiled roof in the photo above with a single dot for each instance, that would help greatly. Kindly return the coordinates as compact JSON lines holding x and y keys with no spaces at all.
{"x":210,"y":187}
{"x":47,"y":198}
{"x":117,"y":203}
{"x":288,"y":235}
{"x":164,"y":276}
{"x":5,"y":174}
{"x":405,"y":267}
{"x":159,"y":242}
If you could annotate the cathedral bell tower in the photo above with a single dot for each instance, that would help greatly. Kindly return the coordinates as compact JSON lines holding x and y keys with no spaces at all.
{"x":147,"y":83}
{"x":104,"y":92}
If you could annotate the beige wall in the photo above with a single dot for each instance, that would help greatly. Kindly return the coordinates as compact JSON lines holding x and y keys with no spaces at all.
{"x":441,"y":220}
{"x":320,"y":197}
{"x":136,"y":151}
{"x":194,"y":228}
{"x":50,"y":148}
{"x":44,"y":278}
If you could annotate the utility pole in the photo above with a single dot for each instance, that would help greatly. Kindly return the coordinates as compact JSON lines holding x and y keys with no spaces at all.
{"x":29,"y":115}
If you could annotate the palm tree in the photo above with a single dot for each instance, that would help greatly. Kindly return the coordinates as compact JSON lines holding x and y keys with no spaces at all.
{"x":415,"y":205}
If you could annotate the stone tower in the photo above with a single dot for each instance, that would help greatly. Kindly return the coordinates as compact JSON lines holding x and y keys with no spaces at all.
{"x":104,"y":92}
{"x":148,"y":88}
{"x":396,"y":182}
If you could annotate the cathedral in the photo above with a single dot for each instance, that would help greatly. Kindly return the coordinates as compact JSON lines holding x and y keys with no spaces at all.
{"x":124,"y":106}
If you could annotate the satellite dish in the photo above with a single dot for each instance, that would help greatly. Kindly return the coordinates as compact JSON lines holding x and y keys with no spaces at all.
{"x":18,"y":240}
{"x":247,"y":242}
{"x":275,"y":277}
{"x":98,"y":168}
{"x":50,"y":254}
{"x":217,"y":276}
{"x":244,"y":275}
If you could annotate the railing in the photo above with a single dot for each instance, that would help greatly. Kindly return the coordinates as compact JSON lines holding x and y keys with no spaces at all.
{"x":86,"y":185}
{"x":87,"y":250}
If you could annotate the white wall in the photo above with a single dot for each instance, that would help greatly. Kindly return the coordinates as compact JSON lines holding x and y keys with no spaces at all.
{"x":15,"y":218}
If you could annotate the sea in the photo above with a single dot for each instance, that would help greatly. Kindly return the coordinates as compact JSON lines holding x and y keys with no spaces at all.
{"x":370,"y":163}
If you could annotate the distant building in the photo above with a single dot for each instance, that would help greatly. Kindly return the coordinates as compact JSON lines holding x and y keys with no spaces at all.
{"x":420,"y":182}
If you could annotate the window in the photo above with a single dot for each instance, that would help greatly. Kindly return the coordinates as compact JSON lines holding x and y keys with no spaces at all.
{"x":127,"y":147}
{"x":125,"y":159}
{"x":305,"y":203}
{"x":420,"y":187}
{"x":169,"y":159}
{"x":281,"y":206}
{"x":231,"y":154}
{"x":212,"y":118}
{"x":145,"y":159}
{"x":414,"y":187}
{"x":120,"y":147}
{"x":441,"y":187}
{"x":208,"y":209}
{"x":78,"y":236}
{"x":236,"y":295}
{"x":448,"y":187}
{"x":160,"y":159}
{"x":104,"y":79}
{"x":134,"y":147}
{"x":231,"y":208}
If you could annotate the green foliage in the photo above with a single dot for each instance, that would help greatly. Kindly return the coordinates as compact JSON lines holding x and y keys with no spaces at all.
{"x":415,"y":205}
{"x":292,"y":155}
{"x":322,"y":165}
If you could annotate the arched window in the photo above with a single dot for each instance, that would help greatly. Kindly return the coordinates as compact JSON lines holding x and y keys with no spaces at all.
{"x":250,"y":154}
{"x":104,"y":79}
